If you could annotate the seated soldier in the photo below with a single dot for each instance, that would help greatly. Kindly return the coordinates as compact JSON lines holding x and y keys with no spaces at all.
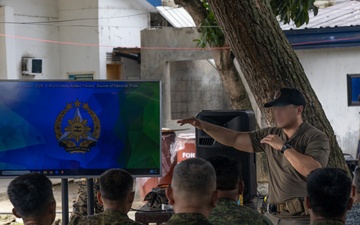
{"x":353,"y":215}
{"x":117,"y":195}
{"x":192,"y":192}
{"x":328,"y":199}
{"x":33,"y":200}
{"x":230,"y":186}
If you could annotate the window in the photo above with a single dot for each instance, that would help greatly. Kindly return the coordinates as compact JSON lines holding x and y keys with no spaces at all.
{"x":353,"y":85}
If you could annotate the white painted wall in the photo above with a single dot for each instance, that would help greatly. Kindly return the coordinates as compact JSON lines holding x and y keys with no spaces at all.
{"x":7,"y":44}
{"x":32,"y":11}
{"x":120,"y":24}
{"x":112,"y":23}
{"x":327,"y":70}
{"x":83,"y":28}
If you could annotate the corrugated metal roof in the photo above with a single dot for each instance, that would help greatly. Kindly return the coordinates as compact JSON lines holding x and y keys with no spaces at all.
{"x":343,"y":14}
{"x":177,"y":17}
{"x":339,"y":15}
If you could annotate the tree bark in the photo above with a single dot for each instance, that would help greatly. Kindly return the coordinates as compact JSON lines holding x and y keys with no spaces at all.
{"x":269,"y":62}
{"x":224,"y":60}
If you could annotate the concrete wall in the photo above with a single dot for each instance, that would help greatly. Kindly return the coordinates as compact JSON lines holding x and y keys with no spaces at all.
{"x":131,"y":69}
{"x":327,"y":70}
{"x":16,"y":48}
{"x":195,"y":86}
{"x":163,"y":54}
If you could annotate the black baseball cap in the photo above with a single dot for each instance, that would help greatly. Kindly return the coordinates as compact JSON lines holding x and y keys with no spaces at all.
{"x":287,"y":96}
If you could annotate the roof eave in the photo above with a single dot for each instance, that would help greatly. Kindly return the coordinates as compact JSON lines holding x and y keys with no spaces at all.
{"x":329,"y":37}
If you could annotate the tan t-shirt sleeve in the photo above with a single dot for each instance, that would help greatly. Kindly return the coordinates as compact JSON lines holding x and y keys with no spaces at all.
{"x":256,"y":136}
{"x":319,"y":149}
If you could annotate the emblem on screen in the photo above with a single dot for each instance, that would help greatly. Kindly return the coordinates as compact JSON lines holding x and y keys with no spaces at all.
{"x":77,"y":127}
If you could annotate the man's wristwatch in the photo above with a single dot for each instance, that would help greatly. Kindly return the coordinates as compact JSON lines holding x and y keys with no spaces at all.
{"x":287,"y":145}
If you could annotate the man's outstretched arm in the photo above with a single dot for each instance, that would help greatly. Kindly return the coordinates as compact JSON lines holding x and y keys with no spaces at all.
{"x":235,"y":139}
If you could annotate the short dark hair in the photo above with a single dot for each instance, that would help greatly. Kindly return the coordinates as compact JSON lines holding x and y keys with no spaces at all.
{"x":329,"y":192}
{"x":228,"y":172}
{"x":116,"y":184}
{"x":30,"y":194}
{"x":195,"y":176}
{"x":357,"y":179}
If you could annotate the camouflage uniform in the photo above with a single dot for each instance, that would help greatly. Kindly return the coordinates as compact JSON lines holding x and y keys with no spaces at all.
{"x":227,"y":211}
{"x":188,"y":219}
{"x":328,"y":222}
{"x":353,"y":215}
{"x":108,"y":217}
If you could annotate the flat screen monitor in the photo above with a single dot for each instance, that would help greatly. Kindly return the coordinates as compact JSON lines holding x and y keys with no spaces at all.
{"x":79,"y":128}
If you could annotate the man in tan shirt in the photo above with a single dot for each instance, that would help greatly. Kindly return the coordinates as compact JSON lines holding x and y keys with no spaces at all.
{"x":294,"y":148}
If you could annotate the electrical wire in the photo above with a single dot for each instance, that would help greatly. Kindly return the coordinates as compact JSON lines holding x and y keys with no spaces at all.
{"x":161,"y":47}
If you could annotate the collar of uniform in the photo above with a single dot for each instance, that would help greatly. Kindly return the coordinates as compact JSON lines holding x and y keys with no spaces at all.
{"x":303,"y":127}
{"x":188,"y":215}
{"x":357,"y":204}
{"x":226,"y":201}
{"x":328,"y":222}
{"x":114,"y":211}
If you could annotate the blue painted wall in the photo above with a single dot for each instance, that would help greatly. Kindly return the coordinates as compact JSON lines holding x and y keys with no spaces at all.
{"x":155,"y":2}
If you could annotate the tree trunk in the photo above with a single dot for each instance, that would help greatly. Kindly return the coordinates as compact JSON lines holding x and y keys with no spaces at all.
{"x":224,"y":60}
{"x":269,"y":62}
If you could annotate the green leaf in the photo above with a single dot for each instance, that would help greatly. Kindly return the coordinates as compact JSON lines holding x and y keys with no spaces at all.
{"x":293,"y":10}
{"x":286,"y":10}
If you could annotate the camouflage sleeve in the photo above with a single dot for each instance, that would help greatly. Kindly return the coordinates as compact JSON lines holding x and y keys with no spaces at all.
{"x":353,"y":215}
{"x":267,"y":221}
{"x":75,"y":220}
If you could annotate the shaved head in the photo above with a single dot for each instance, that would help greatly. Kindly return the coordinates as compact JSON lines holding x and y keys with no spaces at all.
{"x":194,"y":178}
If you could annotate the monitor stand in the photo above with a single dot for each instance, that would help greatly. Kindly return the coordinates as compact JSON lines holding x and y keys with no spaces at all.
{"x":65,"y":198}
{"x":90,"y":196}
{"x":65,"y":201}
